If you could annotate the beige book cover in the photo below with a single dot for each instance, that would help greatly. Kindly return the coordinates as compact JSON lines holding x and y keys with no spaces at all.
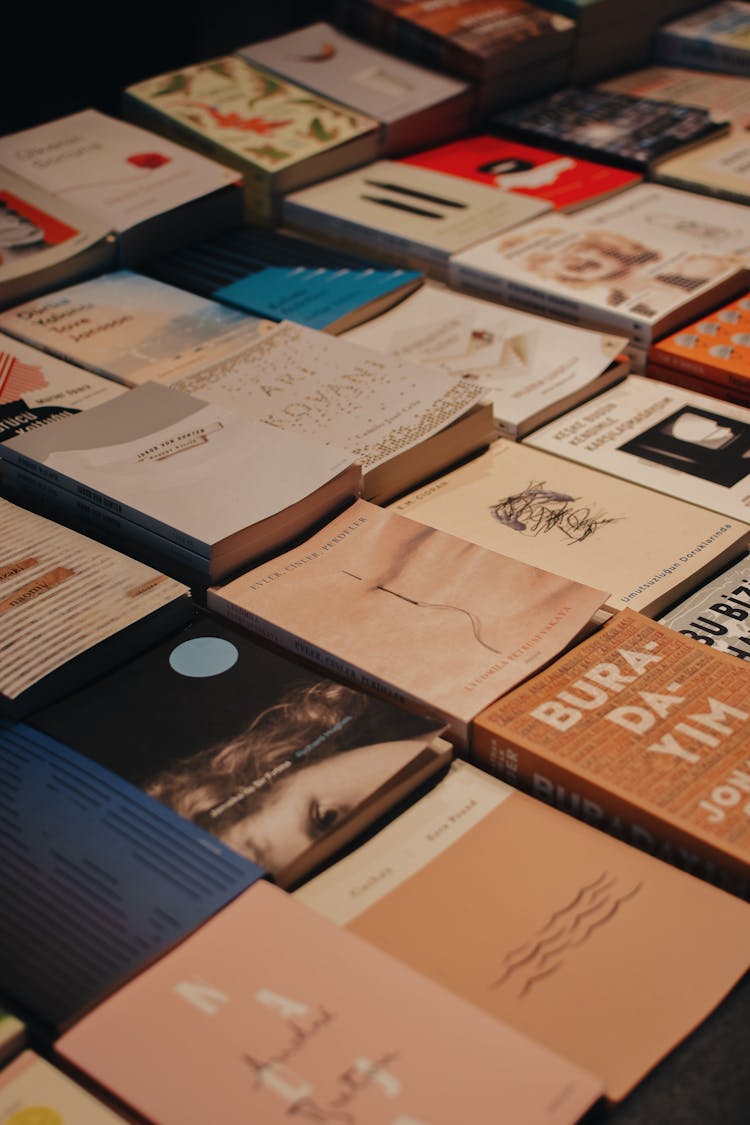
{"x":580,"y":523}
{"x":543,"y":922}
{"x":719,"y":168}
{"x":728,"y":95}
{"x":34,"y":1092}
{"x":34,"y":380}
{"x":414,"y":613}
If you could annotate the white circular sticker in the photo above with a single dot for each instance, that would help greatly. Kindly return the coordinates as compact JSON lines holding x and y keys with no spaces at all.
{"x":203,"y":656}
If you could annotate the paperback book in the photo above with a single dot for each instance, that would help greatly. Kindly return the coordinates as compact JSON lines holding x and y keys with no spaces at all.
{"x":362,"y":1037}
{"x":70,"y":609}
{"x":575,"y":922}
{"x":581,"y":524}
{"x":401,"y":421}
{"x":154,"y":194}
{"x":715,"y":348}
{"x":717,"y":614}
{"x":641,"y":732}
{"x":531,"y":368}
{"x":714,"y":38}
{"x":726,"y":95}
{"x":280,"y":763}
{"x":404,"y":215}
{"x":97,"y":878}
{"x":180,"y":475}
{"x":666,"y":438}
{"x":278,"y":135}
{"x":32,"y":1089}
{"x":12,"y":1035}
{"x":418,"y":617}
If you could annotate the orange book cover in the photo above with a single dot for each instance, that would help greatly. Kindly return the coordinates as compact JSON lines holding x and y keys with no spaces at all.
{"x":641,"y":732}
{"x":715,"y":348}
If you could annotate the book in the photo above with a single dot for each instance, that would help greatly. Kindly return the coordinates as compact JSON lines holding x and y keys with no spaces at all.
{"x":154,"y":194}
{"x":715,"y":615}
{"x":46,"y":242}
{"x":666,"y":438}
{"x":581,"y":524}
{"x":279,"y":762}
{"x":726,"y":95}
{"x":12,"y":1035}
{"x":401,"y":421}
{"x":417,"y":615}
{"x":276,"y":275}
{"x":316,"y":1022}
{"x":575,"y":921}
{"x":127,"y":327}
{"x":610,"y":35}
{"x":70,"y":608}
{"x":412,"y":105}
{"x":662,"y":759}
{"x":406,"y":216}
{"x":715,"y":348}
{"x":178,"y":472}
{"x":700,"y":386}
{"x":97,"y":878}
{"x":564,"y":181}
{"x":531,"y":368}
{"x":276,"y":134}
{"x":642,"y":264}
{"x":33,"y":1089}
{"x":620,"y":129}
{"x":719,"y":168}
{"x":714,"y":38}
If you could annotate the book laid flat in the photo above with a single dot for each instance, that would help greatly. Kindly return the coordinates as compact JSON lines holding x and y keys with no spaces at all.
{"x":126,"y":326}
{"x":532,"y":368}
{"x":667,"y":438}
{"x":643,"y":733}
{"x":643,"y":264}
{"x":12,"y":1035}
{"x":714,"y":38}
{"x":45,"y":241}
{"x":154,"y":194}
{"x":724,"y":392}
{"x":418,"y":617}
{"x":715,"y":348}
{"x":564,"y":181}
{"x":97,"y":878}
{"x":181,"y":474}
{"x":276,"y":134}
{"x":280,"y":763}
{"x":401,"y":421}
{"x":31,"y":1089}
{"x":70,"y":609}
{"x":581,"y":524}
{"x":574,"y":922}
{"x":717,"y":614}
{"x":404,"y":215}
{"x":315,"y":1024}
{"x":726,"y":95}
{"x":273,"y":274}
{"x":412,"y":105}
{"x":621,"y":129}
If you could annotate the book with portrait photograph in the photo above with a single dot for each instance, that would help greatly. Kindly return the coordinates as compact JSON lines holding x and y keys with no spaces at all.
{"x":279,"y":762}
{"x":32,"y":1089}
{"x":419,"y":614}
{"x":673,"y":440}
{"x":555,"y":929}
{"x":717,"y":614}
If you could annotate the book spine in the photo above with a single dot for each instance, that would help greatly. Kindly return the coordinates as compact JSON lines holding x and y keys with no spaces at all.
{"x":724,"y":392}
{"x":677,"y":50}
{"x":701,"y":370}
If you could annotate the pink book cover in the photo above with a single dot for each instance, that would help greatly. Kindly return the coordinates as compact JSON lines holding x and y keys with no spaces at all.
{"x":270,"y":1012}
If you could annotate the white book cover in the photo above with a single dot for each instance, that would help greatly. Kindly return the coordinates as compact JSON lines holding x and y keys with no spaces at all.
{"x":117,"y":171}
{"x":34,"y":1092}
{"x":37,"y":379}
{"x":126,"y":326}
{"x":529,"y":365}
{"x":676,"y":441}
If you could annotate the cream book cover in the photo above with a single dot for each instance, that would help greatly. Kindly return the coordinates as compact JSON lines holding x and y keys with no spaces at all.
{"x":34,"y":379}
{"x":34,"y":1092}
{"x":720,"y":168}
{"x":582,"y":524}
{"x":549,"y":923}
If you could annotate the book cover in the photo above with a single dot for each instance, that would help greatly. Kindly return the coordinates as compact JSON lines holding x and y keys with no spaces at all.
{"x":46,"y":242}
{"x":606,"y":125}
{"x":715,"y":348}
{"x":641,"y":732}
{"x":564,"y":181}
{"x":315,"y":1024}
{"x":126,"y":326}
{"x":412,"y":104}
{"x":531,"y":368}
{"x":186,"y":471}
{"x":717,"y":614}
{"x":726,"y":95}
{"x":33,"y":1090}
{"x":575,"y":922}
{"x":97,"y":878}
{"x":277,"y":134}
{"x":714,"y":38}
{"x":12,"y":1035}
{"x":667,"y":438}
{"x":279,"y":762}
{"x":720,"y":168}
{"x":581,"y":524}
{"x":418,"y":617}
{"x":409,"y":216}
{"x":71,"y":608}
{"x":399,"y":420}
{"x":723,"y":392}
